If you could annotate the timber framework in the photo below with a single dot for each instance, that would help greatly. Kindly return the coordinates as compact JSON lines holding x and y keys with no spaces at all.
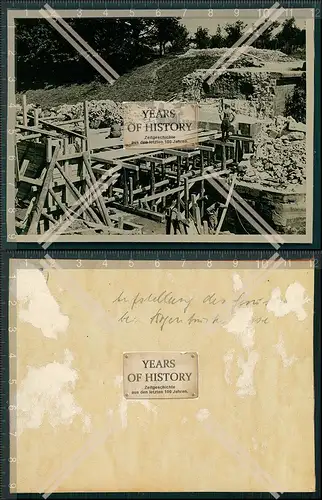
{"x":84,"y":183}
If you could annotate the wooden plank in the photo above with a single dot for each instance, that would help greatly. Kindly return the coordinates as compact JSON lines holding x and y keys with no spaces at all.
{"x":196,"y":212}
{"x":202,"y":192}
{"x":100,"y":200}
{"x":146,"y":189}
{"x":66,"y":122}
{"x":182,"y":154}
{"x":71,"y":156}
{"x":38,"y":131}
{"x":24,"y":110}
{"x":29,"y":180}
{"x":186,"y":198}
{"x":149,"y":214}
{"x":160,"y":161}
{"x":178,"y":179}
{"x":59,"y":128}
{"x":131,"y":199}
{"x":43,"y":194}
{"x":23,"y":168}
{"x":125,"y":189}
{"x":28,"y":137}
{"x":86,"y":124}
{"x":212,"y":149}
{"x":223,"y":215}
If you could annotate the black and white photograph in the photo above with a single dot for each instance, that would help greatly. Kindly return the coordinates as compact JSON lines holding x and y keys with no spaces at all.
{"x":247,"y":175}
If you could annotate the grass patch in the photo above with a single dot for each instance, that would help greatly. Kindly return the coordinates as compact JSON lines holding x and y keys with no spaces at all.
{"x":159,"y":80}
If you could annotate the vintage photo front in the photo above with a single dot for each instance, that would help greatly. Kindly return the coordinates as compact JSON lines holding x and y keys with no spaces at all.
{"x":160,"y":125}
{"x":133,"y":378}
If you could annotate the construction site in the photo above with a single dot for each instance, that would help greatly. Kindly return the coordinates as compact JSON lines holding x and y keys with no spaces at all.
{"x":73,"y":174}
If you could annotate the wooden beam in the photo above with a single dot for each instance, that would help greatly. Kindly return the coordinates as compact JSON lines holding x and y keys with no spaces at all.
{"x":43,"y":194}
{"x":186,"y":198}
{"x":60,"y":204}
{"x":182,"y":154}
{"x":131,"y":199}
{"x":100,"y":200}
{"x":77,"y":194}
{"x":202,"y":191}
{"x":59,"y":128}
{"x":160,"y":161}
{"x":86,"y":124}
{"x":28,"y":137}
{"x":24,"y":110}
{"x":125,"y":189}
{"x":142,"y":212}
{"x":223,"y":215}
{"x":38,"y":131}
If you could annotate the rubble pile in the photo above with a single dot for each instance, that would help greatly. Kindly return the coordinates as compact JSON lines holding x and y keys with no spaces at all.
{"x":103,"y":113}
{"x":262,"y":55}
{"x":280,"y":154}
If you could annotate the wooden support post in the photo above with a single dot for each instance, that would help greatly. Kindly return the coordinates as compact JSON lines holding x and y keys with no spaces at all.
{"x":196,"y":212}
{"x":125,"y":189}
{"x":36,"y":117}
{"x":208,"y":157}
{"x":202,"y":191}
{"x":49,"y":149}
{"x":131,"y":197}
{"x":99,"y":199}
{"x":86,"y":125}
{"x":205,"y":227}
{"x":24,"y":110}
{"x":186,"y":198}
{"x":223,"y":159}
{"x":223,"y":215}
{"x":152,"y":182}
{"x":43,"y":194}
{"x":178,"y":180}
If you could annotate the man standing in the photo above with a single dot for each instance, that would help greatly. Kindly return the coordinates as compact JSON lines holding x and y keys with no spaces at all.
{"x":227,"y":117}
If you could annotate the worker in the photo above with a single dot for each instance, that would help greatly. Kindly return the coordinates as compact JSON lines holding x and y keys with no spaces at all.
{"x":227,"y":116}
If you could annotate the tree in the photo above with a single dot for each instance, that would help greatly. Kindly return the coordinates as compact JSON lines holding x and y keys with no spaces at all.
{"x":202,"y":38}
{"x":266,"y":39}
{"x":181,"y":41}
{"x":234,"y":32}
{"x":290,"y":36}
{"x":217,"y":40}
{"x":166,"y":31}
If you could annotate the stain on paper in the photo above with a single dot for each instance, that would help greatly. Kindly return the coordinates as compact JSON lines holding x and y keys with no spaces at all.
{"x":295,"y":298}
{"x":37,"y":306}
{"x":280,"y":347}
{"x":45,"y":392}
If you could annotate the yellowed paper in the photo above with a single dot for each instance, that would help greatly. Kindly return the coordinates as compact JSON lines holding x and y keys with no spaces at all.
{"x":249,"y":429}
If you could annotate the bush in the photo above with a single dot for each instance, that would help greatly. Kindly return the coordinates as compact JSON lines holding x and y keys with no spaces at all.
{"x":296,"y":103}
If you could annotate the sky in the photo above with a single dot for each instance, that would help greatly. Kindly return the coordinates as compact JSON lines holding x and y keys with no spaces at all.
{"x":221,"y":17}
